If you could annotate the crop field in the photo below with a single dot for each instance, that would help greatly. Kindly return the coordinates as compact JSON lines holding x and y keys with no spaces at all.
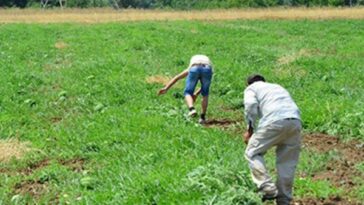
{"x":81,"y":122}
{"x":102,"y":15}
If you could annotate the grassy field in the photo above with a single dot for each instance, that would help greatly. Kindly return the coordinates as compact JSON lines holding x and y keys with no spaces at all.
{"x":79,"y":110}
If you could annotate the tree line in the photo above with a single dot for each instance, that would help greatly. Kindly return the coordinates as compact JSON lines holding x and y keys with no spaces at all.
{"x":175,"y":4}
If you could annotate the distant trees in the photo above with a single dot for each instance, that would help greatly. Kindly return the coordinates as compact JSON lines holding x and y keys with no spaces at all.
{"x":176,"y":4}
{"x":13,"y":3}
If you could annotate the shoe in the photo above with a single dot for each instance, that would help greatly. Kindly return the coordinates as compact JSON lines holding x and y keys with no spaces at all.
{"x":269,"y":192}
{"x":192,"y":113}
{"x":202,"y":121}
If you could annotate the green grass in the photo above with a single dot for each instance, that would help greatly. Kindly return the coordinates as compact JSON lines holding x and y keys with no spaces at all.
{"x":89,"y":100}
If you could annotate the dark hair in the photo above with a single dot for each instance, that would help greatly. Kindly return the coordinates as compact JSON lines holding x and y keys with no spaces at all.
{"x":254,"y":78}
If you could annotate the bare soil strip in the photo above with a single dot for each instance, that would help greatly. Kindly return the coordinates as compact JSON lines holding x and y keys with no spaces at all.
{"x":158,"y":79}
{"x":33,"y":188}
{"x":220,"y":123}
{"x":341,"y":172}
{"x":329,"y":201}
{"x":110,"y":15}
{"x":37,"y":188}
{"x":74,"y":164}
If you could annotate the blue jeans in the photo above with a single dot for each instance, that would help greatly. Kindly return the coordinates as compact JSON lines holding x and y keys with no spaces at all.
{"x":195,"y":74}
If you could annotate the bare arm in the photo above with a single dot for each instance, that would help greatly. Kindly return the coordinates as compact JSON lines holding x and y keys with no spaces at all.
{"x":176,"y":78}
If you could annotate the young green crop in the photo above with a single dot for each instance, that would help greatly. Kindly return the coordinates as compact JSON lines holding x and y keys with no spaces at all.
{"x":80,"y":92}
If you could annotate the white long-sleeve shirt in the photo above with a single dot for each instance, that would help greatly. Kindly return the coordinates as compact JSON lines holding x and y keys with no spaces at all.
{"x":269,"y":102}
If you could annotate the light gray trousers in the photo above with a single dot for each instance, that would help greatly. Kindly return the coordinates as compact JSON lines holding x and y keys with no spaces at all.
{"x":285,"y":135}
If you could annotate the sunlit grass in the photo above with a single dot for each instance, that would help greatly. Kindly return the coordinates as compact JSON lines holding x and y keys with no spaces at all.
{"x":86,"y":95}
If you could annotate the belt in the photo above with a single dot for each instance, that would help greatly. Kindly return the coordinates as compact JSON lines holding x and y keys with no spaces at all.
{"x":199,"y":64}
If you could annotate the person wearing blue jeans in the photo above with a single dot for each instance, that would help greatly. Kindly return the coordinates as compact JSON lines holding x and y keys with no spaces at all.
{"x":199,"y":70}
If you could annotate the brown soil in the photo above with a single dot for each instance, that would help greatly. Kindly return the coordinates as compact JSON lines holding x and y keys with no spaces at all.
{"x":158,"y":79}
{"x":76,"y":164}
{"x":341,"y":171}
{"x":221,"y":123}
{"x":37,"y":188}
{"x":329,"y":201}
{"x":352,"y":151}
{"x":35,"y":166}
{"x":33,"y":188}
{"x":60,"y":45}
{"x":27,"y":170}
{"x":56,"y":119}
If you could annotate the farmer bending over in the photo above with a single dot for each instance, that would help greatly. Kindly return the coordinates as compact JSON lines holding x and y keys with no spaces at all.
{"x":199,"y":69}
{"x":279,"y":126}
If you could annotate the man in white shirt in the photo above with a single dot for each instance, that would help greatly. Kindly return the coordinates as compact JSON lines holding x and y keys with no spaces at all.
{"x":279,"y":126}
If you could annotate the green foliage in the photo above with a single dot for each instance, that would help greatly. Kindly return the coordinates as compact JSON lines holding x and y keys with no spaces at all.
{"x":89,"y":99}
{"x":219,"y":185}
{"x":317,"y":189}
{"x":311,"y":162}
{"x":360,"y":193}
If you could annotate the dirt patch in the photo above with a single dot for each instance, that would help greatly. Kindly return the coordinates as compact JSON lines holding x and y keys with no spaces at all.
{"x":33,"y":188}
{"x":60,"y":45}
{"x":221,"y":123}
{"x":159,"y":79}
{"x":35,"y":166}
{"x":37,"y":188}
{"x":329,"y":201}
{"x":351,"y":151}
{"x":340,"y":171}
{"x":76,"y":164}
{"x":56,"y":120}
{"x":12,"y":148}
{"x":27,"y":170}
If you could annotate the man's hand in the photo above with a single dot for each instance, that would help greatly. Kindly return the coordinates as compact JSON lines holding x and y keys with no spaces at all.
{"x":162,"y":91}
{"x":246,"y":137}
